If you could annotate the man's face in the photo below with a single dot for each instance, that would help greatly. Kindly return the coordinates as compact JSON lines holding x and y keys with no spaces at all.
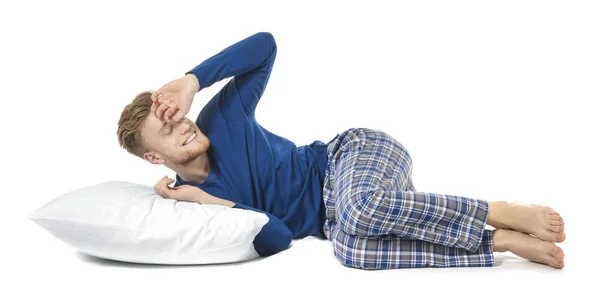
{"x":169,"y":140}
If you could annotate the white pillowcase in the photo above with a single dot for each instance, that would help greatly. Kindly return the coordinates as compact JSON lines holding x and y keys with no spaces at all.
{"x":130,"y":222}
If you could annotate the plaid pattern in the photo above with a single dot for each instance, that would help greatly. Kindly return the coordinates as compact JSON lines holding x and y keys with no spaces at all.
{"x":377,"y":220}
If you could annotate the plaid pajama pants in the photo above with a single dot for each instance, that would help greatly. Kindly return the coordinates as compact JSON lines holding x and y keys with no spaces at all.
{"x":376,"y":219}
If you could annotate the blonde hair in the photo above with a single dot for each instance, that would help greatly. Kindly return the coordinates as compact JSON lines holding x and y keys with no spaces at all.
{"x":130,"y":124}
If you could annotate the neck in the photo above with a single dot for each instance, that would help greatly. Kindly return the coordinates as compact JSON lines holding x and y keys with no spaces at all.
{"x":195,"y":171}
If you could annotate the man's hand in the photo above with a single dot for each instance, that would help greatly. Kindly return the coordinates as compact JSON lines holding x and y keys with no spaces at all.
{"x":180,"y":193}
{"x":187,"y":193}
{"x":173,"y":101}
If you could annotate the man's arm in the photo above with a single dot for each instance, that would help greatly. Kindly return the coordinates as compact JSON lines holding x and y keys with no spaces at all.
{"x":249,"y":60}
{"x":274,"y":237}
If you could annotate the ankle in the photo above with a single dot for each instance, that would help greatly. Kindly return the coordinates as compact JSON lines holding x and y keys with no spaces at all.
{"x":500,"y":240}
{"x":497,"y":214}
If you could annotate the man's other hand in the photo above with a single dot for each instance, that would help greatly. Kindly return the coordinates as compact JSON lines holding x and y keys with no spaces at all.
{"x":173,"y":100}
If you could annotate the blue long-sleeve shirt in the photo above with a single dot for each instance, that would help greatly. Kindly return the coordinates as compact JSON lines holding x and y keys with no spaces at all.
{"x":249,"y":165}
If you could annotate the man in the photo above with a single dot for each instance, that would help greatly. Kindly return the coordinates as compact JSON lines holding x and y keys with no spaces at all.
{"x":356,"y":190}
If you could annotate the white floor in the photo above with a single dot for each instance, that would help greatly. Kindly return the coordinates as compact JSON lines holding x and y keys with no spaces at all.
{"x":38,"y":268}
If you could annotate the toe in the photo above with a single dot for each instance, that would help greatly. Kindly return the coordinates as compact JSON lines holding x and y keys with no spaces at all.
{"x":558,"y":254}
{"x":557,"y":265}
{"x":557,"y":257}
{"x":557,"y":229}
{"x":551,"y":236}
{"x":555,"y":218}
{"x":557,"y":223}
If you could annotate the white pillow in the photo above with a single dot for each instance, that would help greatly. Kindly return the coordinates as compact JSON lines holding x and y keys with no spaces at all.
{"x":130,"y":222}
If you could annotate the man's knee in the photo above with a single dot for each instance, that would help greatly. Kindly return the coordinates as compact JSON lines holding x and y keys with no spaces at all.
{"x":355,"y":218}
{"x":345,"y":252}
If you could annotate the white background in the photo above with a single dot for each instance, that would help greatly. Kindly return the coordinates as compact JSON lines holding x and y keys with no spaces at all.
{"x":493,"y":100}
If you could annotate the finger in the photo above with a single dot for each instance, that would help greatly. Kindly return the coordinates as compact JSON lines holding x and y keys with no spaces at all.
{"x":160,"y":110}
{"x":156,"y":94}
{"x":167,"y":116}
{"x":178,"y":116}
{"x":167,"y":191}
{"x":170,"y":191}
{"x":170,"y":113}
{"x":170,"y":101}
{"x":154,"y":106}
{"x":163,"y":187}
{"x":159,"y":185}
{"x":161,"y":181}
{"x":164,"y":98}
{"x":159,"y":191}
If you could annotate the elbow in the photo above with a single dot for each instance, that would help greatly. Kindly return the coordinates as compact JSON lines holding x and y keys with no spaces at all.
{"x":270,"y":244}
{"x":266,"y":35}
{"x":280,"y":245}
{"x":268,"y":38}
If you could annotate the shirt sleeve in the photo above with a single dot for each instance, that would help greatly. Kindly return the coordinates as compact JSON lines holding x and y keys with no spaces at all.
{"x":250,"y":61}
{"x":274,"y":237}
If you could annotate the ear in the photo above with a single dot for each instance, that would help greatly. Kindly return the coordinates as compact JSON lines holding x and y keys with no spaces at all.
{"x":153,"y":158}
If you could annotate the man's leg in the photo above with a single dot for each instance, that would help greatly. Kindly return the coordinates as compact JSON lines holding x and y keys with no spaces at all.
{"x":392,"y":252}
{"x":370,"y":190}
{"x":369,"y":193}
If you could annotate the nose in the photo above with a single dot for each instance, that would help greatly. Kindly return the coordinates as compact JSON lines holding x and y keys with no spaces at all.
{"x":184,"y":127}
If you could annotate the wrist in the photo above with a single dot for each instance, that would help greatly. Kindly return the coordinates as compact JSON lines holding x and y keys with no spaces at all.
{"x":200,"y":196}
{"x":192,"y":82}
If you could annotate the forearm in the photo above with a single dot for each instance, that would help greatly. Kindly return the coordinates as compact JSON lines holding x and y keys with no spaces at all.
{"x":192,"y":83}
{"x":224,"y":202}
{"x":244,"y":56}
{"x":206,"y":198}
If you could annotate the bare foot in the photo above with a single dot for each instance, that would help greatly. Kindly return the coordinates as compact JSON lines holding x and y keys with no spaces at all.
{"x":528,"y":247}
{"x":541,"y":221}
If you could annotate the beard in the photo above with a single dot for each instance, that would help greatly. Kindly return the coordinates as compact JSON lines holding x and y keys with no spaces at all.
{"x":193,"y":150}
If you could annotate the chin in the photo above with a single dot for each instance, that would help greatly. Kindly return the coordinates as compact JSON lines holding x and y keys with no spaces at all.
{"x":203,"y":145}
{"x":193,"y":152}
